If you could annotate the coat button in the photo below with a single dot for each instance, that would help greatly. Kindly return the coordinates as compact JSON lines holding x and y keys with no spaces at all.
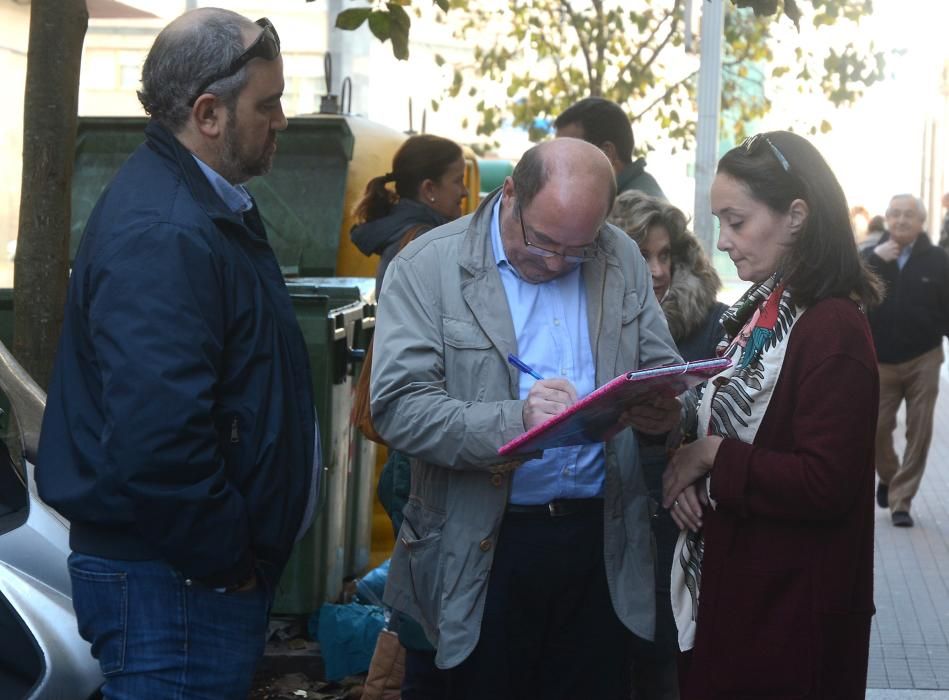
{"x":485,"y":545}
{"x":497,"y":479}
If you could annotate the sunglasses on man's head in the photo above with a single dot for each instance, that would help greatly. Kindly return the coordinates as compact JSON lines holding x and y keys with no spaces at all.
{"x":266,"y":46}
{"x":753,"y":143}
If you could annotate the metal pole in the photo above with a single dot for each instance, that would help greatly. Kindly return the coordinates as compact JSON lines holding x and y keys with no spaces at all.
{"x":350,"y":51}
{"x":709,"y":101}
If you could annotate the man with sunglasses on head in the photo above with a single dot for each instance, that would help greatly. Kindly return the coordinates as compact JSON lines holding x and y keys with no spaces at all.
{"x":179,"y":436}
{"x":526,"y":576}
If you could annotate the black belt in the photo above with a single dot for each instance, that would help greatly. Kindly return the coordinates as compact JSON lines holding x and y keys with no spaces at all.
{"x":559,"y":507}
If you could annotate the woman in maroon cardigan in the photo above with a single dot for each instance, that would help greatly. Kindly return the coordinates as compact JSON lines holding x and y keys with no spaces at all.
{"x":773,"y":576}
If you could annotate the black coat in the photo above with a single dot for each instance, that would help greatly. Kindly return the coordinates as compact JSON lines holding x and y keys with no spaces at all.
{"x":914,"y":314}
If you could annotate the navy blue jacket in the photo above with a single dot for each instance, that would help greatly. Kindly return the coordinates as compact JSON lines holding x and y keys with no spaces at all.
{"x":914,"y":314}
{"x":179,"y":423}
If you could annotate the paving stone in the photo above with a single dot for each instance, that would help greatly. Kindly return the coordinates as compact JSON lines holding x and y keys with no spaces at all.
{"x":910,"y":632}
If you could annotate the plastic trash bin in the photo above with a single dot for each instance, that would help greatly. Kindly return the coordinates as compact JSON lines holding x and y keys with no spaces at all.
{"x":360,"y":495}
{"x":317,"y":566}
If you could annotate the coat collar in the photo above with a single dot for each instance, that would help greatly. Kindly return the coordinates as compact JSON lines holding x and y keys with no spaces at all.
{"x":164,"y":143}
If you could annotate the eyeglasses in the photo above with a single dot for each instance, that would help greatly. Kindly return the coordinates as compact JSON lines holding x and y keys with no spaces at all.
{"x":266,"y":46}
{"x":572,"y":256}
{"x":752,"y":143}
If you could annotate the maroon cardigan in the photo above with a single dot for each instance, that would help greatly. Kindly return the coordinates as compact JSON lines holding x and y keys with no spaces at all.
{"x":787,"y":578}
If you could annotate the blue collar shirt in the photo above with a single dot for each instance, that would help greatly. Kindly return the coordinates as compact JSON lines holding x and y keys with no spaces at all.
{"x":904,"y":255}
{"x":553,"y":337}
{"x":235,"y":197}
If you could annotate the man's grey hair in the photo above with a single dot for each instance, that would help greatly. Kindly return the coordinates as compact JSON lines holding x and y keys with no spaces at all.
{"x":920,"y":206}
{"x":183,"y":58}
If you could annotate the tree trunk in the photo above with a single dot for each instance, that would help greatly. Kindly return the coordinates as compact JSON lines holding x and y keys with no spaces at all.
{"x":40,"y":273}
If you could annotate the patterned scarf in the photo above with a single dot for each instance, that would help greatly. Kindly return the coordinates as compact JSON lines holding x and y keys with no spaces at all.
{"x":757,"y":328}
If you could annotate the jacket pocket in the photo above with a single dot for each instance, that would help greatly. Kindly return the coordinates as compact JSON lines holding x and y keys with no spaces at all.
{"x":233,"y":439}
{"x":100,"y":599}
{"x":467,"y":355}
{"x":629,"y":332}
{"x":421,"y":536}
{"x":631,"y":307}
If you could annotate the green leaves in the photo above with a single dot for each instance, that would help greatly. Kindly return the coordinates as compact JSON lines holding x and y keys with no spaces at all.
{"x":546,"y":54}
{"x":352,"y":19}
{"x":387,"y":21}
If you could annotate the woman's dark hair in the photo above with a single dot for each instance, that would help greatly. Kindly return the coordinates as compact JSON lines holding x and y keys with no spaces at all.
{"x":420,"y":158}
{"x":778,"y":167}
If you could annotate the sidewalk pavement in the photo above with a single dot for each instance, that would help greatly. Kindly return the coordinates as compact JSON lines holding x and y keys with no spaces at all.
{"x":909,"y":644}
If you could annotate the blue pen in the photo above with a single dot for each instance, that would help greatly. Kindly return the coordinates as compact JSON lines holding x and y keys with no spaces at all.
{"x":523,"y":366}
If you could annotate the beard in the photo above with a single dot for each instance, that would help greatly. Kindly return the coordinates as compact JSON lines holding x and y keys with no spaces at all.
{"x":237,"y":164}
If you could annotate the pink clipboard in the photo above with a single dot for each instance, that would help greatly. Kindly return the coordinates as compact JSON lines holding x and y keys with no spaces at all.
{"x":594,"y":418}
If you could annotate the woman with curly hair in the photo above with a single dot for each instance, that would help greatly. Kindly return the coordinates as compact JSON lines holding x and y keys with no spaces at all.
{"x":686,"y":285}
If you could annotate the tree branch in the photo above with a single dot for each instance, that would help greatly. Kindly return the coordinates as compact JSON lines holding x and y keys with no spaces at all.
{"x":599,"y":37}
{"x":671,"y":89}
{"x":632,"y":61}
{"x":584,"y":44}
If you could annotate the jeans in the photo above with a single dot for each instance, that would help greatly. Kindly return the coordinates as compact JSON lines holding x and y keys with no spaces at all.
{"x":158,"y":635}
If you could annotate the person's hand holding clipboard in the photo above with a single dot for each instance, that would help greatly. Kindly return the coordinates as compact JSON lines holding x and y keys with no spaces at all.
{"x":643,"y":399}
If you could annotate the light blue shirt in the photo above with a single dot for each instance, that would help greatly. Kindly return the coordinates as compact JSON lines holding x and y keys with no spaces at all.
{"x":237,"y":199}
{"x":553,"y":337}
{"x":904,"y":255}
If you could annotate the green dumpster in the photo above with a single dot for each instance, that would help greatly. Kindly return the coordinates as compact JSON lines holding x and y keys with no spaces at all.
{"x":301,"y":199}
{"x":337,"y":323}
{"x":362,"y":452}
{"x":493,"y":171}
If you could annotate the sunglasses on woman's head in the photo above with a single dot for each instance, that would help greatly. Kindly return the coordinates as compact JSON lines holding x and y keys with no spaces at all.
{"x":753,"y":143}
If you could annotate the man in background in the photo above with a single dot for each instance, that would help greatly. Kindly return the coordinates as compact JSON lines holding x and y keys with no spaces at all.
{"x":908,"y":327}
{"x":604,"y":124}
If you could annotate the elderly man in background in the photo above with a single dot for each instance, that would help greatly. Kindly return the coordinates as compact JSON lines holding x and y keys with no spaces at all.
{"x":179,"y":435}
{"x":526,"y":577}
{"x":908,"y":328}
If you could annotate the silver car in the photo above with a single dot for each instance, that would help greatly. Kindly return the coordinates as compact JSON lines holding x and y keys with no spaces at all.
{"x":41,"y":652}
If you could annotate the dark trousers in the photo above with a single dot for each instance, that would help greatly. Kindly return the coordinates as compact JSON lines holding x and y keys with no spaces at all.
{"x":654,"y":670}
{"x":549,"y":630}
{"x":423,"y":680}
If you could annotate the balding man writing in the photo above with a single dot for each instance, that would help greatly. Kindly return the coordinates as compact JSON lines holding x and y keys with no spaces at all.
{"x":528,"y":578}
